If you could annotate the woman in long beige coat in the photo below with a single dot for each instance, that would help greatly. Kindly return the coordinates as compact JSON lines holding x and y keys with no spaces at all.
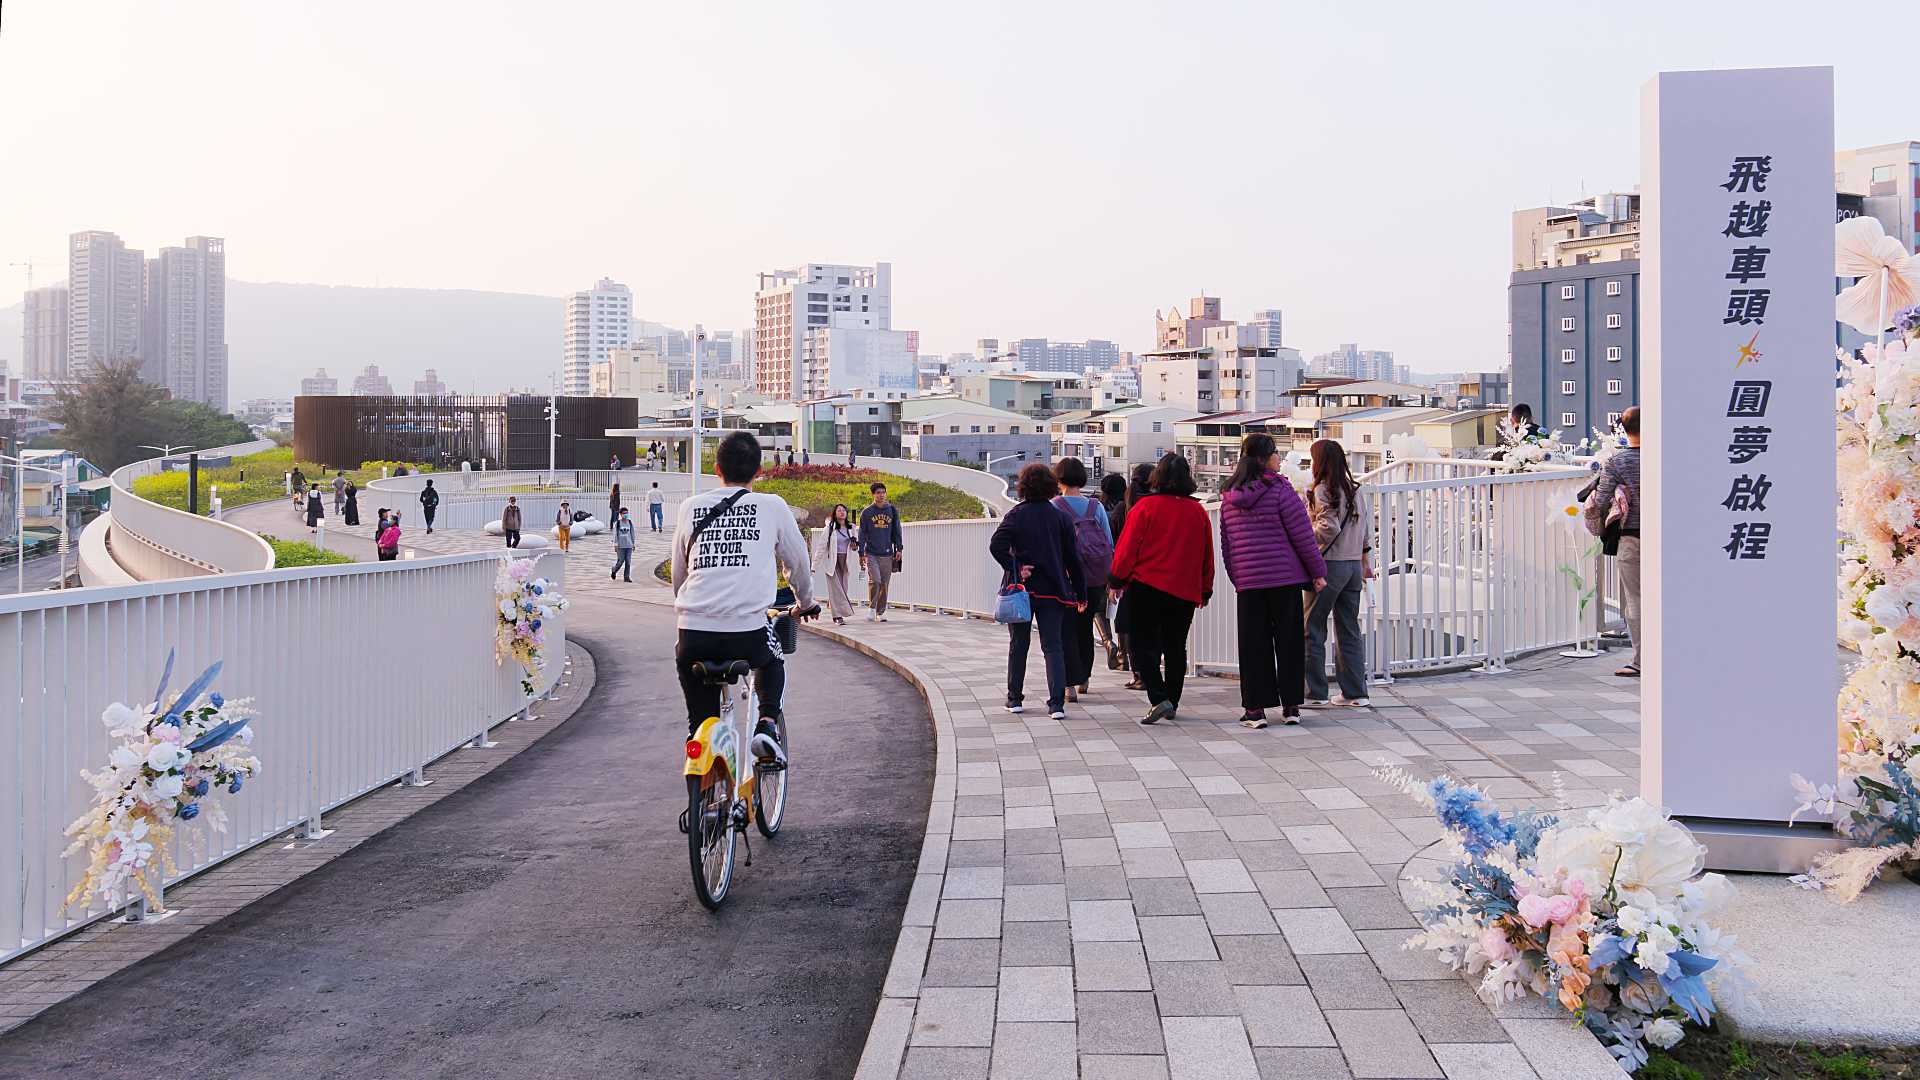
{"x":834,"y":556}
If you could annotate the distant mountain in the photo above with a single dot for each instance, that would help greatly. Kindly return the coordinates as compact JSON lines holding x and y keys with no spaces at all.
{"x":278,"y":333}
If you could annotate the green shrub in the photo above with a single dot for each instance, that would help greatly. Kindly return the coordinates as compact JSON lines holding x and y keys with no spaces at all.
{"x":1662,"y":1067}
{"x":300,"y":553}
{"x":816,"y":488}
{"x":1850,"y":1065}
{"x":264,"y":478}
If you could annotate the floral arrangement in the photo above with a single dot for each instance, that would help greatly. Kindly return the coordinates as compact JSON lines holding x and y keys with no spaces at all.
{"x":1520,"y":452}
{"x":1605,"y":913}
{"x":524,"y":602}
{"x":168,"y":757}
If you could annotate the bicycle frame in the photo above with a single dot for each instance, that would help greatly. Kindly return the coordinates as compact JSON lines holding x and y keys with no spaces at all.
{"x":719,"y":740}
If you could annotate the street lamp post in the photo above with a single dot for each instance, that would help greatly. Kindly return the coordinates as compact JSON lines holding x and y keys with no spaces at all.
{"x":20,"y":468}
{"x":553,"y":428}
{"x":693,"y":452}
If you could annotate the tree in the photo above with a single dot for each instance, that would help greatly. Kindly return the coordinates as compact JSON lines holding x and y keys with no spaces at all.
{"x":189,"y":423}
{"x":103,"y":417}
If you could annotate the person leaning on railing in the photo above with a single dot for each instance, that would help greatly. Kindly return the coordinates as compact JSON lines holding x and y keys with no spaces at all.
{"x":1343,"y":527}
{"x":1618,"y":526}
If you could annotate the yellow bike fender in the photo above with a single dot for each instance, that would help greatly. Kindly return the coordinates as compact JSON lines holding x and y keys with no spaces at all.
{"x":700,"y":761}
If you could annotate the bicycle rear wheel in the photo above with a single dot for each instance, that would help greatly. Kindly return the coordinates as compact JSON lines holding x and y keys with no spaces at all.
{"x":710,"y":835}
{"x":770,"y":788}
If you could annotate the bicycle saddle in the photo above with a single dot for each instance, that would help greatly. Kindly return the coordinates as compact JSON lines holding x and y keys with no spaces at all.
{"x":721,"y":671}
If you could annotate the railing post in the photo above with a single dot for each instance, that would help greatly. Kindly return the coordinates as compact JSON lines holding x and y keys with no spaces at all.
{"x":1496,"y":589}
{"x":311,"y":829}
{"x":417,"y":778}
{"x":481,"y":742}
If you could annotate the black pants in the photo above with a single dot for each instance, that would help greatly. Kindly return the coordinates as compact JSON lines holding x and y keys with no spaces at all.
{"x":1079,"y":634}
{"x":513,"y":537}
{"x":756,"y":647}
{"x":387,"y":555}
{"x":1273,"y":646}
{"x":429,"y":511}
{"x":1052,"y":616}
{"x":623,"y":559}
{"x":1157,"y":636}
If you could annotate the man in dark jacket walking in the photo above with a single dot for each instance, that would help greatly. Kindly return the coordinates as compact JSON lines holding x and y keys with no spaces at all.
{"x":880,"y":547}
{"x":429,"y":503}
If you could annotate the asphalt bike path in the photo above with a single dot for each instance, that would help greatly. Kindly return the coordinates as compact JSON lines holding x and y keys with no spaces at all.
{"x":542,"y":923}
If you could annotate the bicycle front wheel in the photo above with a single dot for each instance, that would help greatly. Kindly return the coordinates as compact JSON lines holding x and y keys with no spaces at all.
{"x":710,"y":836}
{"x":770,"y":788}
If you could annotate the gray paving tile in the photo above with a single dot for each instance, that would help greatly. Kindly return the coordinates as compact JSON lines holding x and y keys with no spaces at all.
{"x":1035,"y":944}
{"x":1449,"y":1011}
{"x":1259,"y":960}
{"x":1237,"y":913}
{"x":1177,"y":937}
{"x":1110,"y":965}
{"x":1347,"y":982}
{"x":1291,"y":888}
{"x":1119,"y":1067}
{"x":1561,"y":1051}
{"x":1035,"y":994}
{"x":1482,"y":1061}
{"x":945,"y":1063}
{"x":1034,"y":903}
{"x":968,"y":919}
{"x":1163,"y":896}
{"x":1282,"y":1016}
{"x":1372,"y":908}
{"x":1381,"y":1043}
{"x":963,"y":962}
{"x":1193,"y":988}
{"x":1300,"y":1063}
{"x":1118,"y":1023}
{"x":1219,"y":876}
{"x":1038,"y":1051}
{"x":1398,"y":963}
{"x":954,"y":1016}
{"x":1103,"y":920}
{"x":1208,"y":1048}
{"x":1043,"y":869}
{"x":1096,"y":883}
{"x":1316,"y":930}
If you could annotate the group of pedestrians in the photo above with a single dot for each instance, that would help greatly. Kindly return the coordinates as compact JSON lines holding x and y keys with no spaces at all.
{"x":873,"y":541}
{"x":1295,"y":565}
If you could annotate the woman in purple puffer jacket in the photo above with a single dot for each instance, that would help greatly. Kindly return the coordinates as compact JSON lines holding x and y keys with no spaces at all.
{"x":1266,"y":539}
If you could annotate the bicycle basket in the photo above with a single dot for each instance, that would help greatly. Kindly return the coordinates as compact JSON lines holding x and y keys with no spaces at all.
{"x":787,"y":629}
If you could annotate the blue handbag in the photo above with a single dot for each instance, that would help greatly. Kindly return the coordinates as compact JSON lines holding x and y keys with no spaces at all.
{"x":1013,"y":606}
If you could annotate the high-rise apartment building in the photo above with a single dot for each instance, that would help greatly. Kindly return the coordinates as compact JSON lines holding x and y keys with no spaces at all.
{"x":1074,"y":357}
{"x":789,"y":303}
{"x":184,"y":336}
{"x":1232,"y":369}
{"x":598,"y":319}
{"x":44,"y":334}
{"x":1350,"y":361}
{"x":370,"y":383}
{"x":843,"y":358}
{"x":1268,"y":323}
{"x":431,"y":386}
{"x":319,"y":384}
{"x":105,"y":283}
{"x":1176,"y":331}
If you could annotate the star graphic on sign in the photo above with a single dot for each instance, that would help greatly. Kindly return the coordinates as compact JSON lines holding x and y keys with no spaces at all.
{"x":1747,"y":354}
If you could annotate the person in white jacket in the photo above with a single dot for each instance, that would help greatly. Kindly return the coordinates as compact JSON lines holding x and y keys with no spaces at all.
{"x":725,"y":578}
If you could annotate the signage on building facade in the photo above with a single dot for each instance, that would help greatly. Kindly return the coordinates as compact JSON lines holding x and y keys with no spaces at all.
{"x":1738,"y":510}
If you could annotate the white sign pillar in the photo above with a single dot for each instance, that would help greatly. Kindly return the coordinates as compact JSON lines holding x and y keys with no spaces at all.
{"x":1738,"y":500}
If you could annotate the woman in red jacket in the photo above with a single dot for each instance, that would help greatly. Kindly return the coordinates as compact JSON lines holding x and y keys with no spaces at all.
{"x":1165,"y":563}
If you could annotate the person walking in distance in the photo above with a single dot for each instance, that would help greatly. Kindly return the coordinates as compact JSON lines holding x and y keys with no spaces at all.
{"x":881,"y":549}
{"x":1165,"y":565}
{"x":834,"y":549}
{"x":1093,"y":537}
{"x":1139,"y":486}
{"x":613,"y":503}
{"x":614,"y":463}
{"x":339,"y":491}
{"x":655,"y":504}
{"x":806,"y":458}
{"x":563,"y":525}
{"x":510,"y":522}
{"x":1613,"y":514}
{"x":852,"y":459}
{"x":388,"y":545}
{"x":1037,"y":550}
{"x":429,"y":503}
{"x":1113,"y":496}
{"x":1267,"y":542}
{"x":315,"y":511}
{"x":1343,"y":527}
{"x":352,"y":508}
{"x":623,"y":530}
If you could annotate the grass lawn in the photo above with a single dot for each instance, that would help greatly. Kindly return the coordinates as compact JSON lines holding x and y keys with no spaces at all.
{"x":1713,"y":1055}
{"x":815,"y":488}
{"x":251,"y":479}
{"x":300,"y":553}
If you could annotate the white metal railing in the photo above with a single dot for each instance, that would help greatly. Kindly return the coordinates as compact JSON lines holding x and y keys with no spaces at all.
{"x":1470,"y":569}
{"x":362,"y":673}
{"x":152,"y":542}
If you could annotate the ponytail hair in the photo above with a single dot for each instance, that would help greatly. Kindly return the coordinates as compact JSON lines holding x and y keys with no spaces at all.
{"x":1255,"y":449}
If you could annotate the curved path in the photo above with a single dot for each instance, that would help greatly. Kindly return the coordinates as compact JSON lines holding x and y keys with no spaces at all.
{"x":540,"y":923}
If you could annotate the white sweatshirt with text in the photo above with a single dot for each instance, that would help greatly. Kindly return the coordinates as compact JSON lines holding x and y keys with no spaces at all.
{"x":728,"y":579}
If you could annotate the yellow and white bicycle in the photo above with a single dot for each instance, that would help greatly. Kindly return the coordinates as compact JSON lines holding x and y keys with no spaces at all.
{"x":732,"y":775}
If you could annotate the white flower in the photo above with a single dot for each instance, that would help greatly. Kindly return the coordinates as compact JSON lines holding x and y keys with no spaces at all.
{"x":1627,"y":821}
{"x":1579,"y":850}
{"x":1665,"y":1033}
{"x":124,"y":758}
{"x":1884,"y":606}
{"x":1652,"y":953}
{"x":1850,"y":571}
{"x":1632,"y":920}
{"x":167,"y":786}
{"x":509,"y":610}
{"x":1856,"y":630}
{"x":166,"y":756}
{"x":118,"y":716}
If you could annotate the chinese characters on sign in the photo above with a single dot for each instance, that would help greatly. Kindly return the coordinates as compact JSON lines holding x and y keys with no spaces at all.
{"x":1747,"y":305}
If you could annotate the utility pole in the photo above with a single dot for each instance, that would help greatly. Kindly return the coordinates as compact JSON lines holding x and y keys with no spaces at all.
{"x":693,"y":456}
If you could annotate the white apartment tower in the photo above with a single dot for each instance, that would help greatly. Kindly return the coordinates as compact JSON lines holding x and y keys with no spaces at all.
{"x":184,"y":339}
{"x":319,"y":384}
{"x":598,"y":319}
{"x":44,"y":333}
{"x":431,"y":386}
{"x":1269,"y":323}
{"x":789,"y":303}
{"x":105,"y":282}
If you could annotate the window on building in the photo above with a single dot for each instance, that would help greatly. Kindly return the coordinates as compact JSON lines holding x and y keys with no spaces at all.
{"x":1566,"y":292}
{"x":1568,"y":386}
{"x":1366,"y":437}
{"x":1613,"y":418}
{"x":1566,"y":356}
{"x":1156,"y":427}
{"x":1613,"y":288}
{"x":974,"y":429}
{"x":1566,"y":419}
{"x":991,"y":428}
{"x":1566,"y":323}
{"x":953,"y":429}
{"x":1613,"y":352}
{"x":1613,"y":322}
{"x":1613,"y":386}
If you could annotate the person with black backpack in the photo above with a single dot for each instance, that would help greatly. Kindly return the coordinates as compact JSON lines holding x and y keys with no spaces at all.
{"x":1093,"y":539}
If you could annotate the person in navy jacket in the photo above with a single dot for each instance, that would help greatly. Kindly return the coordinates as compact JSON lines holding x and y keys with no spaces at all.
{"x":1035,"y":548}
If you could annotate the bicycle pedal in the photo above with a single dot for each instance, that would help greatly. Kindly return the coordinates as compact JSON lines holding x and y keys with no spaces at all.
{"x":770,"y":765}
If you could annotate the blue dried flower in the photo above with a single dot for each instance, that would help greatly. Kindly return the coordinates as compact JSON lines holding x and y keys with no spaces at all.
{"x":234,"y":788}
{"x":189,"y":811}
{"x":1908,"y":319}
{"x":201,"y":788}
{"x":216,"y":699}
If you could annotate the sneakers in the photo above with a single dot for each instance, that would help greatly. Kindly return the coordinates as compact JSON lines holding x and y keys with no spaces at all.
{"x":1159,"y":712}
{"x":1254,"y":720}
{"x":1318,"y":703}
{"x":1057,"y":714}
{"x":766,"y":747}
{"x":1290,"y":716}
{"x":1015,"y":707}
{"x":1357,"y":703}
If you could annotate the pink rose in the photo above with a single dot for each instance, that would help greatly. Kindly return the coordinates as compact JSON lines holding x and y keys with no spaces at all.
{"x":1538,"y":911}
{"x":1493,"y":942}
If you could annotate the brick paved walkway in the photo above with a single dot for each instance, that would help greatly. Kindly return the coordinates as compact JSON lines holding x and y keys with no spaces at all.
{"x":1195,"y":900}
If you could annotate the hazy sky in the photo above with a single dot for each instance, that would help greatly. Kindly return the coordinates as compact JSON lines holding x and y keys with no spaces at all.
{"x":1030,"y":169}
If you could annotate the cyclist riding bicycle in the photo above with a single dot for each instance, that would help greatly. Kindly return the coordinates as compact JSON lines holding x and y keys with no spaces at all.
{"x":725,"y":550}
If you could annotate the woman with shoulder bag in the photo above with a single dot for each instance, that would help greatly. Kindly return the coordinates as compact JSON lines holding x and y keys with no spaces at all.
{"x":833,"y":554}
{"x":1267,"y":543}
{"x":1342,"y":525}
{"x":1035,"y":548}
